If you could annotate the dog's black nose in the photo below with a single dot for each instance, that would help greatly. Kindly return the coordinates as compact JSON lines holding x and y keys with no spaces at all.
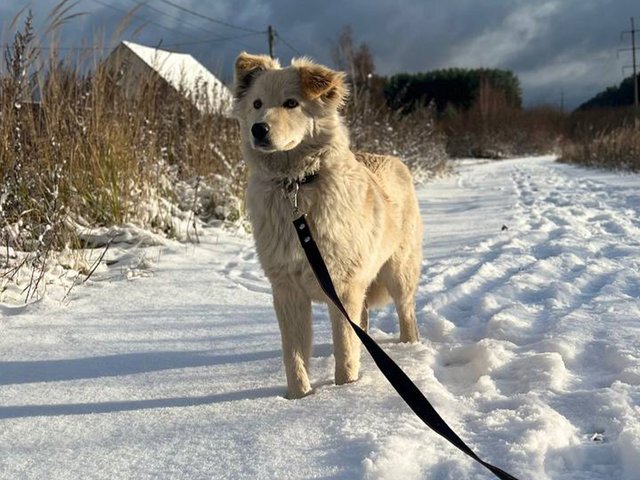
{"x":260,"y":130}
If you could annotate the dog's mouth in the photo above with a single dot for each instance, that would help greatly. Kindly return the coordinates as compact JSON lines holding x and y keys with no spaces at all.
{"x":291,"y":145}
{"x":264,"y":146}
{"x":267,"y":147}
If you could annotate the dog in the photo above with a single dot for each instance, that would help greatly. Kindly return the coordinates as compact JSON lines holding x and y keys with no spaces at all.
{"x":361,"y":208}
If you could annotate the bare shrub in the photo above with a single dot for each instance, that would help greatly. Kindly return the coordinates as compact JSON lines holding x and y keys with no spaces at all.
{"x":608,"y":138}
{"x":492,"y":128}
{"x":412,"y":137}
{"x":374,"y":126}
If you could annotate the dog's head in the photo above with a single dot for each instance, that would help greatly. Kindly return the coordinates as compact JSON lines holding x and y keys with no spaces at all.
{"x":278,"y":108}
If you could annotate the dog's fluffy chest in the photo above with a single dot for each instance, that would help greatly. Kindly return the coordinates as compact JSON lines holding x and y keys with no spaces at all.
{"x":341,"y":217}
{"x":271,"y":214}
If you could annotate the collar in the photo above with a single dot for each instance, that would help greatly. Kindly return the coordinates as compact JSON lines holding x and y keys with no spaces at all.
{"x":291,"y":186}
{"x":307,"y":178}
{"x":290,"y":183}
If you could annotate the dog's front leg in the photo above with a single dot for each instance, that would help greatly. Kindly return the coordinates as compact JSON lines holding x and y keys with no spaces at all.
{"x":346,"y":345}
{"x":293,"y":309}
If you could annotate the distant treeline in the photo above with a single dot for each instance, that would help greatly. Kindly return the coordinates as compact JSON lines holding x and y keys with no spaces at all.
{"x":616,"y":96}
{"x":457,"y":88}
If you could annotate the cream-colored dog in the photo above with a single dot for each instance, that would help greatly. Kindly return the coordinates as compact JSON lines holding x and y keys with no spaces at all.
{"x":361,"y":208}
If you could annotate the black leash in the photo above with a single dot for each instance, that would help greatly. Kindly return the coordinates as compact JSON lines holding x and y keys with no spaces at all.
{"x":394,"y":374}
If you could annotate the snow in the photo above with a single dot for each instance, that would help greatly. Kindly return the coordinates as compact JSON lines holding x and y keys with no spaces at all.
{"x":530,"y":350}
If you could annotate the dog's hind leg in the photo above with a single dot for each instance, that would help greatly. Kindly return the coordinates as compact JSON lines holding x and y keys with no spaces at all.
{"x":405,"y":306}
{"x":401,"y":279}
{"x":293,"y":309}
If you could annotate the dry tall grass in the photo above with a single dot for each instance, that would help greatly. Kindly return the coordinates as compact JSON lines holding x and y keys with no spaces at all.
{"x":72,"y":145}
{"x":608,"y":138}
{"x":75,"y":152}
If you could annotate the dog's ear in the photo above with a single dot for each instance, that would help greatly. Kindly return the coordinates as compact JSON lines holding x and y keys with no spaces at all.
{"x":247,"y":69}
{"x":321,"y":82}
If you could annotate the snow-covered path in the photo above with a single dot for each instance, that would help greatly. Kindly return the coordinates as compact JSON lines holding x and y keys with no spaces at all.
{"x":531,"y":351}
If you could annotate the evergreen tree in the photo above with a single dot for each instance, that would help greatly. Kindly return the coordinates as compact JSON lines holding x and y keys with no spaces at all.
{"x":616,"y":96}
{"x":456,"y":88}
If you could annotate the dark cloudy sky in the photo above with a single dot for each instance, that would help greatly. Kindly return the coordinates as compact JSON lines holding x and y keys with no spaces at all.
{"x":550,"y":44}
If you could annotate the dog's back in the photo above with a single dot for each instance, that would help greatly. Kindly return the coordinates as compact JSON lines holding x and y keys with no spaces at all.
{"x":372,"y":161}
{"x":396,"y":181}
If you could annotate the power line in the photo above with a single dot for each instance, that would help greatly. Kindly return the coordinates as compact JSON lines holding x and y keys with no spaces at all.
{"x":181,"y":20}
{"x":210,"y":19}
{"x":130,"y":13}
{"x":5,"y":45}
{"x":196,"y":42}
{"x":294,"y":49}
{"x":272,"y":34}
{"x":211,"y":40}
{"x":168,"y":45}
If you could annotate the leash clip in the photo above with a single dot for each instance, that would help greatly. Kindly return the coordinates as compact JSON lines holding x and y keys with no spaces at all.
{"x":290,"y":189}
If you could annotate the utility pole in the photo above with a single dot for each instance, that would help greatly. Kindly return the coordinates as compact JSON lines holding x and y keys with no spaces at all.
{"x":635,"y":72}
{"x":633,"y":49}
{"x":272,"y":35}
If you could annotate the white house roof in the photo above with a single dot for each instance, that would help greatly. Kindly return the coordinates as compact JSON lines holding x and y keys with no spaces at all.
{"x":186,"y":74}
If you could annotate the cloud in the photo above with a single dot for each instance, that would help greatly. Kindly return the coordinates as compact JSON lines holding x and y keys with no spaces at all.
{"x":545,"y":42}
{"x":498,"y":45}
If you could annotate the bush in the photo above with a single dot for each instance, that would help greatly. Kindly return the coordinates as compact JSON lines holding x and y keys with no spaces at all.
{"x":377,"y":128}
{"x":478,"y":112}
{"x":503,"y":133}
{"x":607,"y":138}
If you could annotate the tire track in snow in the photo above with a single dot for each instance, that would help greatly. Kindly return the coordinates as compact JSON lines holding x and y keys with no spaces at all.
{"x":524,"y":323}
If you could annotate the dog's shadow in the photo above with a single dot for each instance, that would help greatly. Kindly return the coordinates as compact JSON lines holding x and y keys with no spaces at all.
{"x":24,"y":411}
{"x":136,"y":363}
{"x":22,"y":372}
{"x":129,"y":364}
{"x":19,"y":372}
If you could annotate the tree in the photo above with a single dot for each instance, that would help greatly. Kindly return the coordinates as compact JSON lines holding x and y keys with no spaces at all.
{"x":456,"y":88}
{"x":356,"y":61}
{"x":616,"y":96}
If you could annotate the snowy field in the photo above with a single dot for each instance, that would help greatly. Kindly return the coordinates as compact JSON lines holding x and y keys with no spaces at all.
{"x":530,"y":350}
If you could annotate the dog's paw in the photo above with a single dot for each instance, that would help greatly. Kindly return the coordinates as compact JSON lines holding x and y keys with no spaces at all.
{"x":410,"y":339}
{"x":344,"y":378}
{"x":297,"y":393}
{"x":412,"y":336}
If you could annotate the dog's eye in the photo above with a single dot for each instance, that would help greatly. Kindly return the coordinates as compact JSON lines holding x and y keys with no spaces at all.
{"x":290,"y":103}
{"x":257,"y":104}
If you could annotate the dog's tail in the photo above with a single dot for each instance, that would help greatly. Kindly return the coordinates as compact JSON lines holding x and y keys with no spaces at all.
{"x":377,"y":294}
